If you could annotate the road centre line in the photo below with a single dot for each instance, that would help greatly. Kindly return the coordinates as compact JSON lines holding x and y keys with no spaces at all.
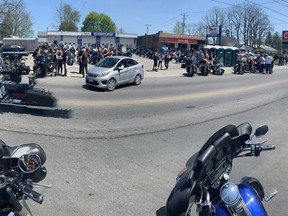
{"x":168,"y":99}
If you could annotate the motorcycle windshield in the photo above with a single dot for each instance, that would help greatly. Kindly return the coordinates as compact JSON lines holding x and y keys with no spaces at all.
{"x":216,"y":155}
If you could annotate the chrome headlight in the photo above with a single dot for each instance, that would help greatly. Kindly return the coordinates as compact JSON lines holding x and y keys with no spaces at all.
{"x":105,"y":73}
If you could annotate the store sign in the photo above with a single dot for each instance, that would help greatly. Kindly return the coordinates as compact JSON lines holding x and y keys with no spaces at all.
{"x":182,"y":41}
{"x":213,"y":31}
{"x":107,"y":34}
{"x":285,"y":36}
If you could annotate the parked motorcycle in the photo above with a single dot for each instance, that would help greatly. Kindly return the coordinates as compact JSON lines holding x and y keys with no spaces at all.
{"x":25,"y":69}
{"x":203,"y":187}
{"x":242,"y":67}
{"x":10,"y":70}
{"x":41,"y":66}
{"x":25,"y":94}
{"x":191,"y":67}
{"x":217,"y":68}
{"x":204,"y":67}
{"x":21,"y":170}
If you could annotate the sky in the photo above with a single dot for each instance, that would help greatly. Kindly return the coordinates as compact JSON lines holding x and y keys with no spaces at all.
{"x":142,"y":16}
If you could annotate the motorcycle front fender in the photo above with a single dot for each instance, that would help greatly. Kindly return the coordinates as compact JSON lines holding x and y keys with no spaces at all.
{"x":25,"y":210}
{"x":178,"y":200}
{"x":252,"y":200}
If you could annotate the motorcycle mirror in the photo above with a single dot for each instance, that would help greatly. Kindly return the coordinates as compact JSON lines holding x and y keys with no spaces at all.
{"x":29,"y":163}
{"x":262,"y":130}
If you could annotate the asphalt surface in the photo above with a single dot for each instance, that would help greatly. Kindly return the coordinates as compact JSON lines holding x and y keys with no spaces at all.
{"x":119,"y":171}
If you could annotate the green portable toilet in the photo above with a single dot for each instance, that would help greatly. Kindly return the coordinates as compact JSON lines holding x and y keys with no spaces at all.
{"x":220,"y":53}
{"x":235,"y":51}
{"x":228,"y":57}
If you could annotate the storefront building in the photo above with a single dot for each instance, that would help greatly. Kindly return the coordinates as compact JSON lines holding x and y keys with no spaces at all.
{"x":172,"y":41}
{"x":85,"y":39}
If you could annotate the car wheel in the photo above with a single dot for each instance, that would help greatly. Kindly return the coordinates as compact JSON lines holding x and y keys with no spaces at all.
{"x":111,"y":84}
{"x":137,"y":79}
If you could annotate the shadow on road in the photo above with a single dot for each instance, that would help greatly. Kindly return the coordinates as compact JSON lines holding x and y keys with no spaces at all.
{"x":45,"y":112}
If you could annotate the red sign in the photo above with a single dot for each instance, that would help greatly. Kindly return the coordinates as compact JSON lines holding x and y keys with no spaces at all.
{"x":182,"y":41}
{"x":285,"y":36}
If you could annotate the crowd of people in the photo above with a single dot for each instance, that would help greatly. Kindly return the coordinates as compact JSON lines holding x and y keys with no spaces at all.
{"x":57,"y":58}
{"x":158,"y":58}
{"x":264,"y":63}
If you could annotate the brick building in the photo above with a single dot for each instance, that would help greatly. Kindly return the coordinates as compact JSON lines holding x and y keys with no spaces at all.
{"x":173,"y":41}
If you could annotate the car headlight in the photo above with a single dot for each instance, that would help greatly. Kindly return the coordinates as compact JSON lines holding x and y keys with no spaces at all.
{"x":105,"y":73}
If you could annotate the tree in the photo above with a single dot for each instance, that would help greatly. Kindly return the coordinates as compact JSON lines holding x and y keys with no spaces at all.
{"x":249,"y":23}
{"x":67,"y":17}
{"x":269,"y":40}
{"x":234,"y":21}
{"x":277,"y":41}
{"x":16,"y":20}
{"x":120,"y":31}
{"x":178,"y":27}
{"x":98,"y":22}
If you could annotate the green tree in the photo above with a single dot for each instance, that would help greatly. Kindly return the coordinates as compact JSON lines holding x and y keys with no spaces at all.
{"x":269,"y":40}
{"x":277,"y":41}
{"x":98,"y":22}
{"x":67,"y":17}
{"x":16,"y":20}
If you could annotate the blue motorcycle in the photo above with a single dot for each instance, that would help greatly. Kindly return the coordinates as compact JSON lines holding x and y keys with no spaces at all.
{"x":203,"y":187}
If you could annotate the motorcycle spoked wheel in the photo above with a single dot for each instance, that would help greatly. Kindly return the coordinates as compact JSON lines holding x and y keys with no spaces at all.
{"x":36,"y":98}
{"x":191,"y":72}
{"x":220,"y":72}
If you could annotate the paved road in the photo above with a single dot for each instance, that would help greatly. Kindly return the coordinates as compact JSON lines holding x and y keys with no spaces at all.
{"x":100,"y":164}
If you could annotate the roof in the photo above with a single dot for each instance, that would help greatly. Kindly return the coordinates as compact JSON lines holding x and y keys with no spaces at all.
{"x":180,"y":36}
{"x":268,"y":49}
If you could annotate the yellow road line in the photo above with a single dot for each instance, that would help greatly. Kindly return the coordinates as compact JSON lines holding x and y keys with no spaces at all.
{"x":169,"y":98}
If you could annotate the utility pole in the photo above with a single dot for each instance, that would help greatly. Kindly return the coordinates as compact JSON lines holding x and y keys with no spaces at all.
{"x":147,"y":26}
{"x":183,"y":22}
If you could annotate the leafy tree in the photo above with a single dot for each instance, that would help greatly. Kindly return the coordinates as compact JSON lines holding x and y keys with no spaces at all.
{"x":98,"y":22}
{"x":15,"y":19}
{"x":277,"y":41}
{"x":269,"y":40}
{"x":67,"y":17}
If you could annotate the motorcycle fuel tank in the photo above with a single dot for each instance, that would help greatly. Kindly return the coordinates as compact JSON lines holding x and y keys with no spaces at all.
{"x":250,"y":199}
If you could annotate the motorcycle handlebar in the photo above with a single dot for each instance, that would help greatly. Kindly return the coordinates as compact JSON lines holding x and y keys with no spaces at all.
{"x":256,"y":149}
{"x":28,"y":191}
{"x":268,"y":147}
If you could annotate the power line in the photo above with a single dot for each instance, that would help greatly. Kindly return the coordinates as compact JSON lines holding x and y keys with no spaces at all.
{"x":278,"y":2}
{"x":267,"y":8}
{"x":83,"y":5}
{"x":255,"y":4}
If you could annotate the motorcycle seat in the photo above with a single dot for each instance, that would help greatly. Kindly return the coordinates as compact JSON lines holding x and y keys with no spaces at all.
{"x":13,"y":86}
{"x":10,"y":85}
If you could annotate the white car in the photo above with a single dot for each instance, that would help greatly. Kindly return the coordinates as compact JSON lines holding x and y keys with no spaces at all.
{"x":113,"y":71}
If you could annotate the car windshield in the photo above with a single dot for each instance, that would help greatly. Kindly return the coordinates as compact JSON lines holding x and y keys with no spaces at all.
{"x":107,"y":62}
